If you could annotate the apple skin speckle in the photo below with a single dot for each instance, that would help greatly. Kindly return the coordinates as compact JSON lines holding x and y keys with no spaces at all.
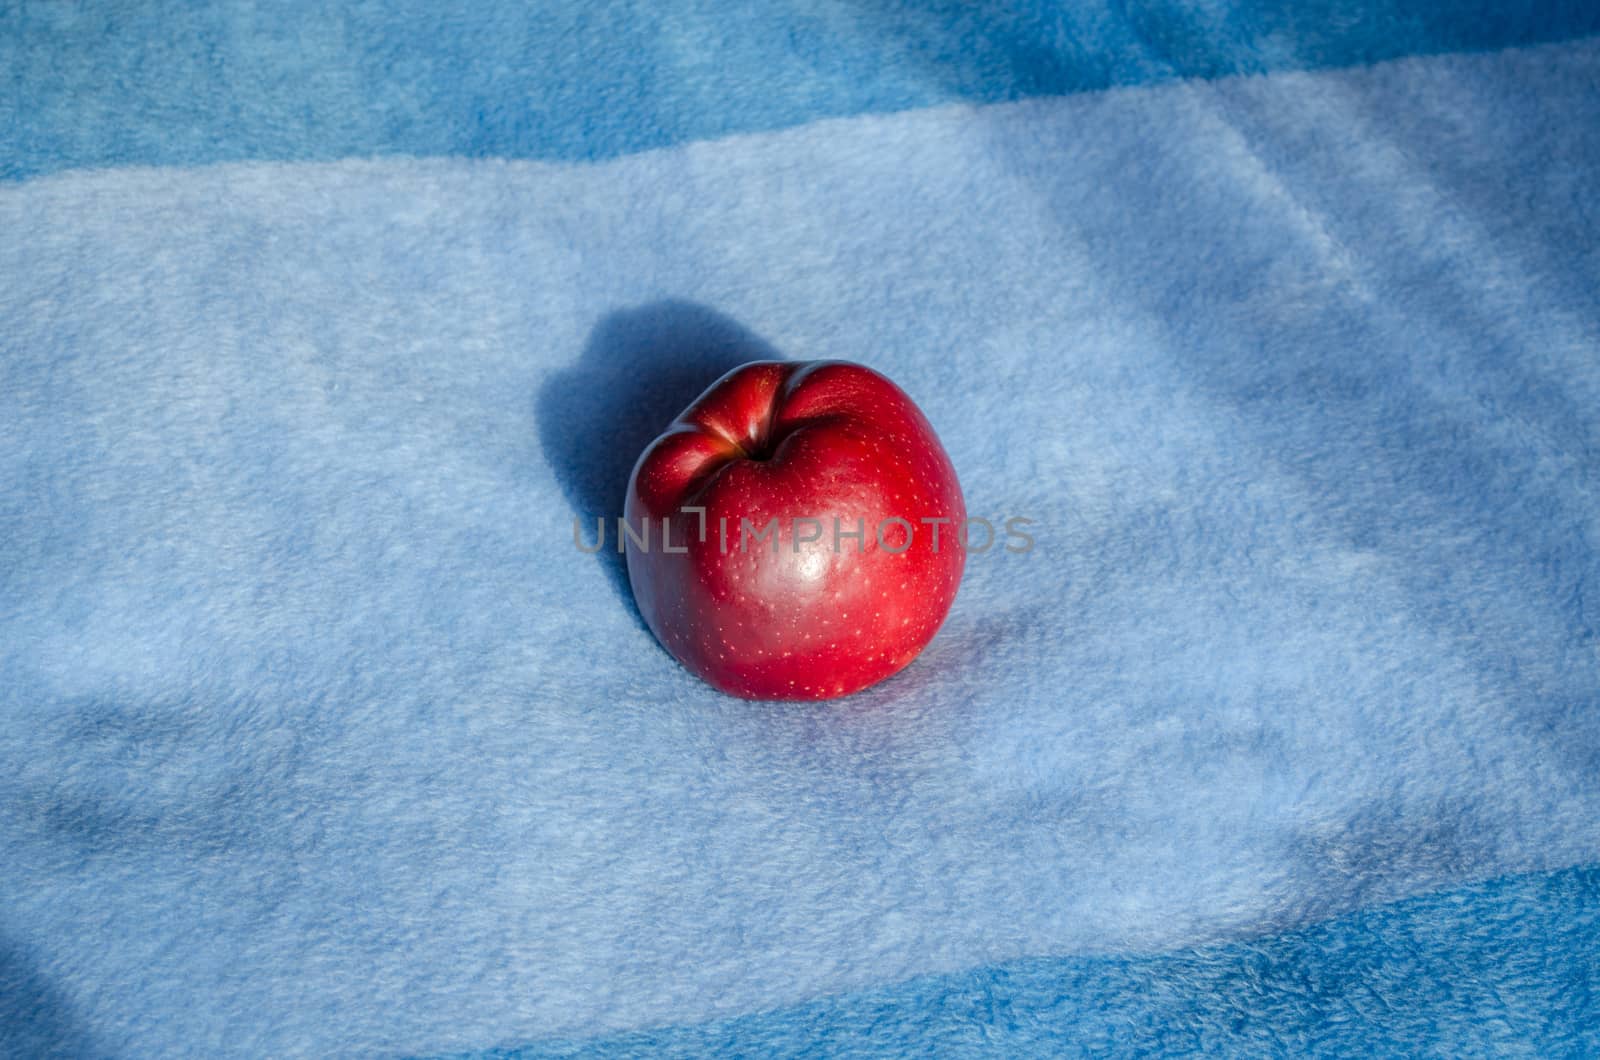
{"x":829,"y":441}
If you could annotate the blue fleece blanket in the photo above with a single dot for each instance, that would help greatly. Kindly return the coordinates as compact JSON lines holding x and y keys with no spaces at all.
{"x":319,"y":737}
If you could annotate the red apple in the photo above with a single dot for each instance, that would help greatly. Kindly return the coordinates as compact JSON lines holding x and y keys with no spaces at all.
{"x":810,"y":610}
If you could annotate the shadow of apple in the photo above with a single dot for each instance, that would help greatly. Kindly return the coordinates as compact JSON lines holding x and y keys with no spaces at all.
{"x":638,"y":370}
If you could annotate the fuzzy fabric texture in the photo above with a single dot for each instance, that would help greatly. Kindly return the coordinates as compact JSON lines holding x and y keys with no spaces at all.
{"x":1507,"y":968}
{"x":318,"y":736}
{"x":176,"y":82}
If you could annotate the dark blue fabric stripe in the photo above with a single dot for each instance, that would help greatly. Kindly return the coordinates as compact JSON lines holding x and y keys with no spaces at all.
{"x":178,"y":83}
{"x":1506,"y":967}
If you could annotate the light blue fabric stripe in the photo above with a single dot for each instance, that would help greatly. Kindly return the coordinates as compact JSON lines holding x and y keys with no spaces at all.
{"x":184,"y":83}
{"x":1509,"y":967}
